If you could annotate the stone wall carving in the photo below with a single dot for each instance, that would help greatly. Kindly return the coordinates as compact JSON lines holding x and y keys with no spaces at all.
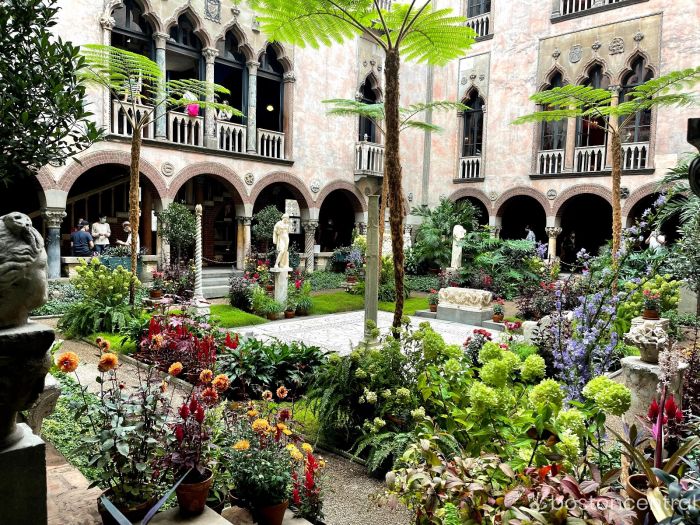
{"x":474,"y":73}
{"x":465,"y":298}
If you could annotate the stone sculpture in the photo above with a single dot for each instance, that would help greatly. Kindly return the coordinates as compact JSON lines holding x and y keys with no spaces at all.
{"x":280,"y":236}
{"x":465,"y":298}
{"x":458,"y":233}
{"x":23,"y":265}
{"x":650,"y":338}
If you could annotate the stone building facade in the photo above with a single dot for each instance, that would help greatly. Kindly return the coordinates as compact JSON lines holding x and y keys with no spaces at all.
{"x":554,"y":178}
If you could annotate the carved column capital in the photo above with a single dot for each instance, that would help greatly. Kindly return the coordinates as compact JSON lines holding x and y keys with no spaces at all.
{"x":309,"y":225}
{"x":289,"y":78}
{"x":252,"y":67}
{"x":246,"y":221}
{"x":53,"y":216}
{"x":107,"y":22}
{"x":160,"y":39}
{"x":553,"y":231}
{"x":209,"y":54}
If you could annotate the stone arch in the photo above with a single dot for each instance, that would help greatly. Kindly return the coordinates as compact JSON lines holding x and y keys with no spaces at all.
{"x":199,"y":28}
{"x":637,"y":195}
{"x":149,"y":13}
{"x":296,"y":185}
{"x":627,"y":68}
{"x":473,"y":90}
{"x":517,"y":191}
{"x":109,"y":157}
{"x":209,"y":168}
{"x":375,"y":85}
{"x":596,"y":61}
{"x":556,"y":68}
{"x":243,"y":44}
{"x":471,"y":192}
{"x":580,"y":189}
{"x":45,"y":179}
{"x":282,"y":56}
{"x":359,"y":201}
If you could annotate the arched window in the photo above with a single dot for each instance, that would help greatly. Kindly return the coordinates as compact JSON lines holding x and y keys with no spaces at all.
{"x":231,"y":72}
{"x":270,"y":91}
{"x":638,"y":127}
{"x":554,"y":132}
{"x":473,"y":130}
{"x":184,"y":52}
{"x":478,"y":7}
{"x":131,"y":31}
{"x":183,"y":34}
{"x":590,"y":131}
{"x":368,"y":129}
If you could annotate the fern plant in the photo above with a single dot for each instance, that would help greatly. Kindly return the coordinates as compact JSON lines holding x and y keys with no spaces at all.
{"x":416,"y":31}
{"x":586,"y":101}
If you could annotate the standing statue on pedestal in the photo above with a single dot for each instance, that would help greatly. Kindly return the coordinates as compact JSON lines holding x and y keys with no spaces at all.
{"x":458,"y":234}
{"x":280,"y":236}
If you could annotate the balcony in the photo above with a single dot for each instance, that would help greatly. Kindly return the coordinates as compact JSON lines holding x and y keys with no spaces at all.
{"x":590,"y":159}
{"x":369,"y":160}
{"x":481,"y":25}
{"x":121,"y":117}
{"x":635,"y":155}
{"x":576,"y":8}
{"x":232,"y":137}
{"x":270,"y":144}
{"x":469,"y":168}
{"x":183,"y":129}
{"x":550,"y":162}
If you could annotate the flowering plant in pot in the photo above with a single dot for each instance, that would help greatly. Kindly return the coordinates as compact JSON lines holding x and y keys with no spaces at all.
{"x":304,"y":301}
{"x":652,"y":302}
{"x":351,"y":272}
{"x":126,"y":429}
{"x":498,"y":310}
{"x":307,"y":486}
{"x":157,"y":285}
{"x":433,"y":300}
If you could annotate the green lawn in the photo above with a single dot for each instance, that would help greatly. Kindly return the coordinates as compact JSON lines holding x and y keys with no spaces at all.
{"x":335,"y":302}
{"x":230,"y":317}
{"x":410,"y":305}
{"x":115,"y":342}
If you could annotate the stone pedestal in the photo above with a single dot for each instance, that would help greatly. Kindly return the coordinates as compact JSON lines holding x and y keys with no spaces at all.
{"x":280,"y":277}
{"x":642,"y":379}
{"x":529,"y":328}
{"x":471,"y":316}
{"x":661,"y":323}
{"x":23,"y":480}
{"x":464,"y":305}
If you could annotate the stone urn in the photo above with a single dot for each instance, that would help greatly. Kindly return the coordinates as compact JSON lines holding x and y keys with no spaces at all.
{"x":650,"y":338}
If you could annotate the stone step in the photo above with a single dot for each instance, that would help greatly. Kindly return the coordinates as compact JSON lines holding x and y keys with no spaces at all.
{"x":214,"y":292}
{"x":215,"y":281}
{"x":426,"y":313}
{"x":226,"y":271}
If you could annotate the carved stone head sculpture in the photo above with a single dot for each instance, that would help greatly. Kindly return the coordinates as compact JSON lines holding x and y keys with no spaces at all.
{"x":23,"y":280}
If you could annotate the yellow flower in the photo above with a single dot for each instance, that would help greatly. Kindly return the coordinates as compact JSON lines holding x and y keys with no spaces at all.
{"x":322,"y":463}
{"x":281,"y":426}
{"x":163,"y":385}
{"x":158,"y":340}
{"x":175,"y":369}
{"x":294,"y":452}
{"x":243,"y":444}
{"x":108,"y":361}
{"x":206,"y":375}
{"x":221,"y":382}
{"x":252,"y":413}
{"x":261,"y":426}
{"x":67,"y":362}
{"x":287,"y":432}
{"x":307,"y":448}
{"x":282,"y":392}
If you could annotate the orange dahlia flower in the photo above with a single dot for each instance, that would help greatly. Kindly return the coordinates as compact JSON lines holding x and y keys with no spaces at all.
{"x":67,"y":362}
{"x":221,"y":382}
{"x":108,"y":361}
{"x":175,"y":369}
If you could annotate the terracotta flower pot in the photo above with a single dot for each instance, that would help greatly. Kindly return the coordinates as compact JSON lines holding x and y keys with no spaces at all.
{"x":155,"y":294}
{"x":272,"y":316}
{"x":433,"y":308}
{"x":650,"y":314}
{"x":497,"y":318}
{"x":273,"y":515}
{"x":636,"y":487}
{"x":269,"y":288}
{"x":192,"y":496}
{"x":289,"y":314}
{"x":351,"y":279}
{"x":134,"y":513}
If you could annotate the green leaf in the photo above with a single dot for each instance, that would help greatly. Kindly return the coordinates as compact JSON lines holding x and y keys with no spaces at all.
{"x":123,"y":448}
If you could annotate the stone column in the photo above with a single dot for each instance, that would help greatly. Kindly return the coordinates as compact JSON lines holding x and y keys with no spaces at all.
{"x":161,"y":123}
{"x":201,"y":307}
{"x":252,"y":117}
{"x":372,"y":273}
{"x":570,"y":145}
{"x":210,"y":141}
{"x":240,"y":248}
{"x":164,"y":245}
{"x":107,"y":23}
{"x":361,"y":228}
{"x":247,"y":236}
{"x":288,"y":81}
{"x":53,"y":218}
{"x":309,"y":242}
{"x":552,"y":233}
{"x":495,"y":232}
{"x":614,"y":101}
{"x":146,"y":219}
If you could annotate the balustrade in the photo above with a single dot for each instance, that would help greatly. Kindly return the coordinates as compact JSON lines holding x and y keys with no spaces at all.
{"x":635,"y":155}
{"x":567,"y":7}
{"x":183,"y":129}
{"x":369,"y":158}
{"x":480,"y":24}
{"x":470,"y":167}
{"x":589,"y":159}
{"x":550,"y":162}
{"x":123,"y":112}
{"x":232,"y":137}
{"x":270,"y":144}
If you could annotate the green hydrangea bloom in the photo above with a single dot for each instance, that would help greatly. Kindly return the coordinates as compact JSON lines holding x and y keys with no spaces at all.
{"x":403,"y":393}
{"x":495,"y":373}
{"x":452,"y":367}
{"x":418,"y":413}
{"x":360,"y":374}
{"x":489,"y":352}
{"x":483,"y":397}
{"x":547,"y":392}
{"x":511,"y":360}
{"x":378,"y":424}
{"x":533,"y":368}
{"x":610,"y":397}
{"x":433,"y":345}
{"x":572,"y":420}
{"x":506,"y":399}
{"x":569,"y":446}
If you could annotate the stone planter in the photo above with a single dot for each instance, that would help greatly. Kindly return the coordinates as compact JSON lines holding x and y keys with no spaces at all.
{"x":650,"y":338}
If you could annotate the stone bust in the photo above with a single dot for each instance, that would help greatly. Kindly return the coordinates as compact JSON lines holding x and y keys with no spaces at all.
{"x":23,"y":280}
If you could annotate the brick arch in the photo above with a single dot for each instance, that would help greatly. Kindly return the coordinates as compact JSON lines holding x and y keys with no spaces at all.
{"x":359,"y":202}
{"x":45,"y":179}
{"x":521,"y":191}
{"x":295,"y":184}
{"x":471,"y":192}
{"x":99,"y":158}
{"x":637,"y":195}
{"x":580,"y":189}
{"x":209,"y":168}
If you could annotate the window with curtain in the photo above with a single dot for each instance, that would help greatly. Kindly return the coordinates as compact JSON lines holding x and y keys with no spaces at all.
{"x":473,"y":130}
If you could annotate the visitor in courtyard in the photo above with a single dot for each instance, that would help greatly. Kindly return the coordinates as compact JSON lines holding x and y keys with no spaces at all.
{"x":81,"y":241}
{"x":100,"y":234}
{"x":656,"y":240}
{"x":127,"y":229}
{"x":529,"y":234}
{"x":568,"y":249}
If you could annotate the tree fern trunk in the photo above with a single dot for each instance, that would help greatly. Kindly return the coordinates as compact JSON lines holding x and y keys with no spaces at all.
{"x":616,"y":205}
{"x":134,"y":207}
{"x":393,"y":174}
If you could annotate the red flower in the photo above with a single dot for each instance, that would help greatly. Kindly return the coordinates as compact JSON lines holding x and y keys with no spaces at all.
{"x":194,"y":405}
{"x":670,"y":406}
{"x":679,"y":415}
{"x":653,"y":410}
{"x":199,"y":415}
{"x":179,"y":433}
{"x":231,"y":343}
{"x":285,"y":414}
{"x":297,"y":284}
{"x":184,"y":412}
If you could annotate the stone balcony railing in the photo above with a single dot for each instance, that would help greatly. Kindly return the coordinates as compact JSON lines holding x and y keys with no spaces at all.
{"x":186,"y":130}
{"x":369,"y":159}
{"x":568,"y":7}
{"x":481,"y":24}
{"x":550,"y":162}
{"x":470,"y":167}
{"x":635,"y":155}
{"x":589,"y":159}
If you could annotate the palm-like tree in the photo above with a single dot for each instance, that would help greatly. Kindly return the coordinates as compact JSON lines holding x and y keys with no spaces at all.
{"x":140,"y":87}
{"x":414,"y":30}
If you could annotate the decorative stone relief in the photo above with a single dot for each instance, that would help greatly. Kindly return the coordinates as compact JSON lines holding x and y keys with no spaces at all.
{"x":465,"y":298}
{"x":315,"y":186}
{"x":556,"y":54}
{"x":249,"y":179}
{"x":212,"y":10}
{"x":650,"y":338}
{"x":552,"y":194}
{"x":638,"y":36}
{"x":463,"y":81}
{"x":167,"y":169}
{"x":617,"y":46}
{"x":493,"y":195}
{"x":410,"y":197}
{"x":596,"y":45}
{"x":624,"y":192}
{"x":236,"y":10}
{"x":575,"y":53}
{"x":107,"y":22}
{"x":553,"y":231}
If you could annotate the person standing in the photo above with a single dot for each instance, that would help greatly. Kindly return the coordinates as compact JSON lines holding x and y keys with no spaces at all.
{"x":100,"y":234}
{"x":530,"y":235}
{"x":81,"y":241}
{"x":127,"y":229}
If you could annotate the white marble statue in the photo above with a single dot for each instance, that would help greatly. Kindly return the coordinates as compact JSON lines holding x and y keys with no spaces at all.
{"x":280,"y":236}
{"x":465,"y":298}
{"x":458,"y":233}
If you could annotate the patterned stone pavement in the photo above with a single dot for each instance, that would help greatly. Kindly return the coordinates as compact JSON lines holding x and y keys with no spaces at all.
{"x":342,"y":332}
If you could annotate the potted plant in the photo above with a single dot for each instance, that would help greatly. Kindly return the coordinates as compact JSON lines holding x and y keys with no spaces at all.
{"x":652,"y":303}
{"x":158,"y":285}
{"x":293,"y":294}
{"x":498,"y":310}
{"x":127,"y":430}
{"x":351,"y":272}
{"x":433,"y":300}
{"x":273,"y":309}
{"x":115,"y":256}
{"x":263,"y":272}
{"x":304,"y":301}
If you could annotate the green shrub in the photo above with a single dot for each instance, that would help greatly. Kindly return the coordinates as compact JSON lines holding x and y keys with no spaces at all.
{"x":325,"y":280}
{"x":423,"y":283}
{"x":264,"y":222}
{"x":634,"y":305}
{"x":62,"y":295}
{"x":178,"y":227}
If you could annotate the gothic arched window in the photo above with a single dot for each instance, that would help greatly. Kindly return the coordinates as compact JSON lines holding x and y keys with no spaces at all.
{"x":590,"y":131}
{"x":231,"y":72}
{"x":638,"y":128}
{"x":270,"y":91}
{"x":367,"y":128}
{"x":478,"y":7}
{"x":184,"y":52}
{"x":554,"y":132}
{"x":473,"y":129}
{"x":131,"y":31}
